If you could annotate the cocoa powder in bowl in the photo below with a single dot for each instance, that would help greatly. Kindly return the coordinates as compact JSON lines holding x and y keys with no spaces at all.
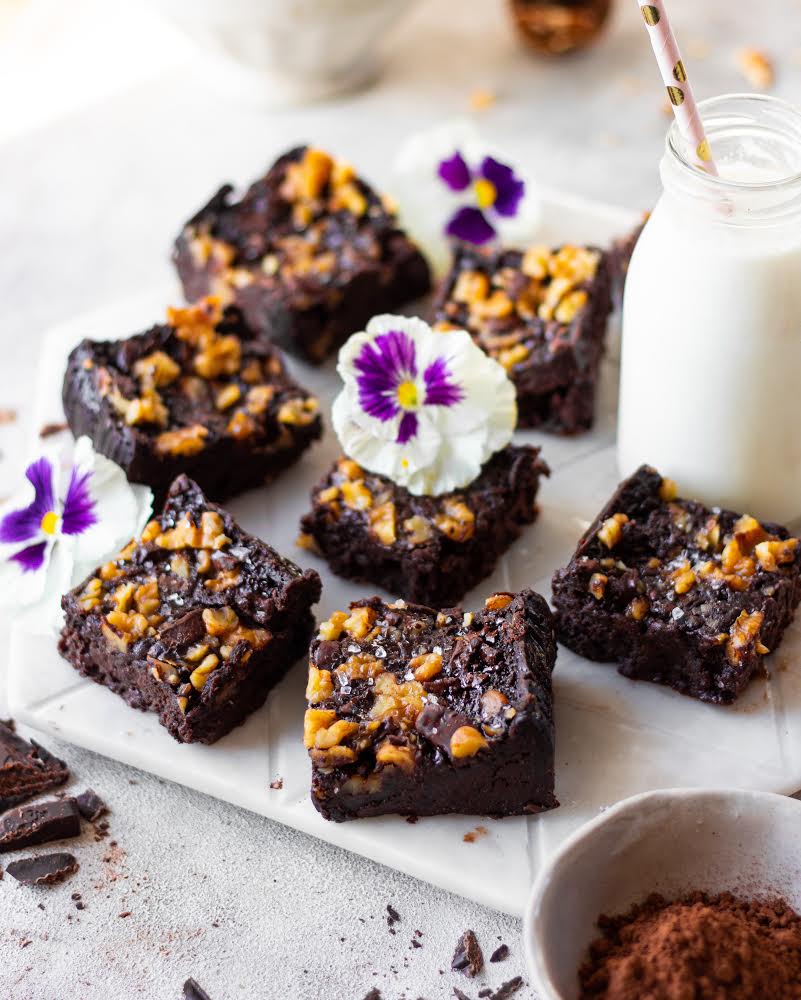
{"x":696,"y":948}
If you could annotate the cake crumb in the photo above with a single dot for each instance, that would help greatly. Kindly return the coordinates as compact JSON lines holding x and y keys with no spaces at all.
{"x":757,"y":68}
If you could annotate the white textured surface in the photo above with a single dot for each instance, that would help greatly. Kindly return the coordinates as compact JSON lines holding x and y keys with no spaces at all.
{"x":88,"y":208}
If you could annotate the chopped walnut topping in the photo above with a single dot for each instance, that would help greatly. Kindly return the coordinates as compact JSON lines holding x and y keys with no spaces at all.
{"x":91,"y":595}
{"x":228,"y":396}
{"x":389,"y":753}
{"x":359,"y":667}
{"x":709,"y":536}
{"x":668,"y":490}
{"x":356,"y":495}
{"x":382,"y":523}
{"x":597,"y":585}
{"x":185,"y":441}
{"x":360,"y":622}
{"x":743,"y":633}
{"x":683,"y":578}
{"x":499,"y":601}
{"x":315,"y":720}
{"x":511,"y":356}
{"x":401,"y":702}
{"x":466,"y":742}
{"x":220,"y":621}
{"x":535,"y":263}
{"x":201,"y":673}
{"x":308,"y":178}
{"x":569,"y":306}
{"x":299,"y":412}
{"x":259,"y":398}
{"x":307,"y":541}
{"x":638,"y":608}
{"x":219,"y":356}
{"x":332,"y":736}
{"x":226,"y":580}
{"x":146,"y":409}
{"x":333,"y":757}
{"x":493,"y":703}
{"x":771,"y":554}
{"x":426,"y":666}
{"x":350,"y":469}
{"x":319,"y":686}
{"x":456,"y":521}
{"x":470,"y":287}
{"x":156,"y":370}
{"x":241,"y":426}
{"x":418,"y":529}
{"x":333,"y":627}
{"x":610,"y":531}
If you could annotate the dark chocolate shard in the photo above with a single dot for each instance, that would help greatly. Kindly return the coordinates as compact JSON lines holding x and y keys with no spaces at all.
{"x":508,"y":989}
{"x":44,"y":869}
{"x":26,"y":769}
{"x":192,"y":991}
{"x":40,"y":823}
{"x":90,"y":805}
{"x":468,"y":957}
{"x":500,"y":953}
{"x":187,"y":629}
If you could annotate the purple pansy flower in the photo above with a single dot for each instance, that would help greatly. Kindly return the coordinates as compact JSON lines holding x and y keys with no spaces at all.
{"x":495,"y":188}
{"x":45,"y":518}
{"x":389,"y":387}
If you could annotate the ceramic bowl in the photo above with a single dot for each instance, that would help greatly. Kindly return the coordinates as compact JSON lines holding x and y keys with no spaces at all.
{"x":288,"y":51}
{"x":673,"y":842}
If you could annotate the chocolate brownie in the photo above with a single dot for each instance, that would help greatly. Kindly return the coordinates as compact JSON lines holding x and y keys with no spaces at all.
{"x":431,"y":549}
{"x":423,"y":712}
{"x":196,"y":620}
{"x":677,"y":593}
{"x":542,"y":314}
{"x":197,"y":395}
{"x":309,"y":252}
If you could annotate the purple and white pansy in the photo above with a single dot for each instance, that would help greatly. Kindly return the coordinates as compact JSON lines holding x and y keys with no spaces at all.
{"x":75,"y":509}
{"x":425,"y":408}
{"x":449,"y":185}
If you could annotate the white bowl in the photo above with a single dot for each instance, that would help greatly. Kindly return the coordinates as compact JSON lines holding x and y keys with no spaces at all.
{"x":286,"y":51}
{"x":672,"y":841}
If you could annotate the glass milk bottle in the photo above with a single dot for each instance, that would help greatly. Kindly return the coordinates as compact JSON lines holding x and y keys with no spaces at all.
{"x":710,"y":388}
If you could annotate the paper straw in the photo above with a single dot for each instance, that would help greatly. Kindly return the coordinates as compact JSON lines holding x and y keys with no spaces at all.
{"x":674,"y":76}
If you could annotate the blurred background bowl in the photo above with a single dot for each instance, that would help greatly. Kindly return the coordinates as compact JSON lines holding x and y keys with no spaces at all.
{"x":289,"y":51}
{"x":672,"y":842}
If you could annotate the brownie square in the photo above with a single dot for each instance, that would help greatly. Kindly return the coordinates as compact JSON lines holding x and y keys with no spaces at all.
{"x":309,"y":252}
{"x":196,"y":620}
{"x":424,"y":548}
{"x":542,"y":314}
{"x":197,"y":395}
{"x":423,"y":712}
{"x":677,"y":593}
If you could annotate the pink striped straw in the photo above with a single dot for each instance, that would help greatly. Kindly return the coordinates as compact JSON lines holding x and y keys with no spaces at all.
{"x":674,"y":76}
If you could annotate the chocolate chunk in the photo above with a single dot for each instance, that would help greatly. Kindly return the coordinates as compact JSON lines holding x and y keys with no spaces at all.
{"x":187,"y":629}
{"x":39,"y":824}
{"x":500,"y":953}
{"x":486,"y":992}
{"x":90,"y":805}
{"x":509,"y":988}
{"x":194,"y":992}
{"x":26,"y":769}
{"x":468,"y":957}
{"x":44,"y":869}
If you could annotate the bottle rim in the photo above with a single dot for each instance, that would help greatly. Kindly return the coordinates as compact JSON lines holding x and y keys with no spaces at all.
{"x":719,"y":112}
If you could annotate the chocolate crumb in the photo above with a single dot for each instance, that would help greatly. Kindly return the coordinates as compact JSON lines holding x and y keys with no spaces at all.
{"x":393,"y":917}
{"x":50,"y":429}
{"x":473,"y":835}
{"x":75,"y":895}
{"x":125,"y":913}
{"x":486,"y":992}
{"x":459,"y":995}
{"x":468,"y":957}
{"x":90,"y":805}
{"x":193,"y":991}
{"x":44,"y":869}
{"x":508,"y":988}
{"x":416,"y":943}
{"x":7,"y":415}
{"x":412,"y":819}
{"x":500,"y":953}
{"x":277,"y":784}
{"x":374,"y":994}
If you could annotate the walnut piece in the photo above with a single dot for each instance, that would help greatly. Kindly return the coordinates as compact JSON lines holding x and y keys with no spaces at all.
{"x":426,"y":666}
{"x":319,"y":686}
{"x":456,"y":521}
{"x":184,"y":441}
{"x":499,"y":601}
{"x":333,"y":626}
{"x":597,"y":585}
{"x":382,"y":522}
{"x":418,"y":530}
{"x":610,"y":531}
{"x":400,"y":756}
{"x":466,"y":742}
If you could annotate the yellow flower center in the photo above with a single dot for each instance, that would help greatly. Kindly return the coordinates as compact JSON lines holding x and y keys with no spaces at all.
{"x":407,"y":395}
{"x":49,"y":523}
{"x":486,"y":192}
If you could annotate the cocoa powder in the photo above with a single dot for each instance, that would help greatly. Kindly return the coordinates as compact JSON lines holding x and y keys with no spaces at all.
{"x":696,"y":948}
